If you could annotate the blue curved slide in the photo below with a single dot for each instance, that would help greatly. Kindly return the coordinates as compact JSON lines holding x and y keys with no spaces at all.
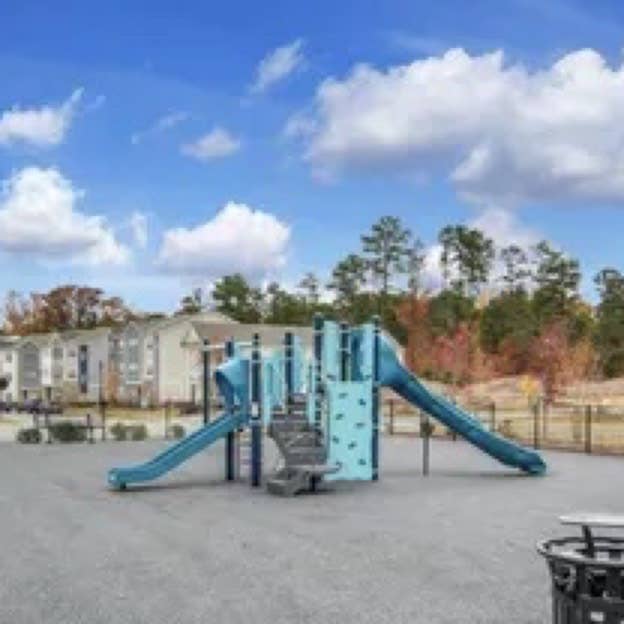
{"x":394,"y":375}
{"x":176,"y":454}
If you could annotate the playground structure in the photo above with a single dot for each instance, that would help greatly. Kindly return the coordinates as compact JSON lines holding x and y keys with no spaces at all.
{"x":321,"y":411}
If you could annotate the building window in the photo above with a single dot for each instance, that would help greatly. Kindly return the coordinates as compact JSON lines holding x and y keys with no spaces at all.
{"x":8,"y":358}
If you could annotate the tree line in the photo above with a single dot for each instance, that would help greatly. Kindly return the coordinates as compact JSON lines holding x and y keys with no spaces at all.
{"x":496,"y":310}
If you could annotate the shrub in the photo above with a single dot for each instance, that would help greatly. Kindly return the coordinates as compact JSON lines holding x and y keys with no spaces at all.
{"x":138,"y":432}
{"x":177,"y":431}
{"x":28,"y":436}
{"x":119,"y":431}
{"x":67,"y":431}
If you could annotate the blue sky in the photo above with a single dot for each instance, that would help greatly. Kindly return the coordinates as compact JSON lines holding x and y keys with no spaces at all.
{"x":147,"y":147}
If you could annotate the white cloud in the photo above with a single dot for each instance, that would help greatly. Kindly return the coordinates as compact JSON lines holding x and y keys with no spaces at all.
{"x":237,"y":239}
{"x":42,"y":127}
{"x":166,"y":122}
{"x":138,"y":225}
{"x":38,"y":218}
{"x":277,"y":65}
{"x":504,"y":228}
{"x":218,"y":143}
{"x":505,"y":135}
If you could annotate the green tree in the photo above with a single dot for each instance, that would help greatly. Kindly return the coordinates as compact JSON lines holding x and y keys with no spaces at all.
{"x":414,"y":266}
{"x":517,"y":270}
{"x":311,"y":287}
{"x":385,"y":248}
{"x":284,"y":308}
{"x":447,"y":310}
{"x":557,"y":278}
{"x":347,"y":280}
{"x":507,"y":328}
{"x":236,"y":298}
{"x":192,"y":303}
{"x":467,"y":257}
{"x":610,"y":321}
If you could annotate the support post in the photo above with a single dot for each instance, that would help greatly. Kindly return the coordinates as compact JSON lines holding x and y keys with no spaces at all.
{"x":256,"y":414}
{"x":391,"y":417}
{"x":230,"y":440}
{"x":206,"y":380}
{"x":375,"y":405}
{"x":588,"y":429}
{"x":345,"y":352}
{"x":101,"y":398}
{"x":90,"y":437}
{"x":46,"y":420}
{"x":289,"y":369}
{"x":425,"y":432}
{"x":493,"y":416}
{"x":318,"y":371}
{"x":536,"y":411}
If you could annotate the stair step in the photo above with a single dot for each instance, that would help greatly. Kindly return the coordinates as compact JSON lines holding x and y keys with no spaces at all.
{"x":304,"y":439}
{"x":277,"y":414}
{"x":289,"y":426}
{"x":283,"y":487}
{"x":304,"y":456}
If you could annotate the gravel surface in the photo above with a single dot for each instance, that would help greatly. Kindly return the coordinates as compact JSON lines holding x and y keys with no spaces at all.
{"x":458,"y":546}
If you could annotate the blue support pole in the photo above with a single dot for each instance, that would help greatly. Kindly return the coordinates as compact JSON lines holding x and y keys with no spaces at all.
{"x":230,"y":441}
{"x":375,"y":401}
{"x":345,"y":351}
{"x":256,"y":415}
{"x":206,"y":380}
{"x":318,"y":370}
{"x":289,"y":368}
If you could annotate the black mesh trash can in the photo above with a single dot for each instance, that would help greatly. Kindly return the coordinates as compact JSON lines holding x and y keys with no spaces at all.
{"x":587,"y":575}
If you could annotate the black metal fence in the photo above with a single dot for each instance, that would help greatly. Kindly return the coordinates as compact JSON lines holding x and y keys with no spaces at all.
{"x":585,"y":428}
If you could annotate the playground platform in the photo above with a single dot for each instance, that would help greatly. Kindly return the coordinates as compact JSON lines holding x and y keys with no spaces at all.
{"x":458,"y":546}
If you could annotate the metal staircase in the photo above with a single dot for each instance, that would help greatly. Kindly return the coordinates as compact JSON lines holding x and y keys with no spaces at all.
{"x":302,"y":448}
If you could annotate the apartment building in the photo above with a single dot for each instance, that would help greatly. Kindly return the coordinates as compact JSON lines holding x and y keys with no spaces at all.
{"x":8,"y":368}
{"x":144,"y":362}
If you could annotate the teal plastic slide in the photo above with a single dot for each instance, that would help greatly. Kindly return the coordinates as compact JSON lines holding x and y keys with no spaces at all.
{"x":232,"y":380}
{"x":394,"y":375}
{"x":176,"y":454}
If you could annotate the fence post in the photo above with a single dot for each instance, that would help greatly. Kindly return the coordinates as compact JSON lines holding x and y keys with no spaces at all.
{"x":391,"y":416}
{"x":104,"y":421}
{"x":167,"y":415}
{"x":588,"y":429}
{"x":425,"y":434}
{"x":543,"y":415}
{"x":536,"y":411}
{"x":493,"y":416}
{"x":46,"y":420}
{"x":90,"y":430}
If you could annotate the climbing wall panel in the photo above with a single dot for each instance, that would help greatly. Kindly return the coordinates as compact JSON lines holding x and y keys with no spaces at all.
{"x":349,"y":434}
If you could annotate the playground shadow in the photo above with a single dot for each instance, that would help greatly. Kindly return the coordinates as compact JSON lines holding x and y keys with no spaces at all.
{"x":191,"y":484}
{"x":457,"y":474}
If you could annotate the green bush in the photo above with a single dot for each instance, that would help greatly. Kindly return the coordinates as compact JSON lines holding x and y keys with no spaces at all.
{"x":28,"y":436}
{"x":138,"y":432}
{"x":119,"y":431}
{"x":177,"y":431}
{"x":67,"y":431}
